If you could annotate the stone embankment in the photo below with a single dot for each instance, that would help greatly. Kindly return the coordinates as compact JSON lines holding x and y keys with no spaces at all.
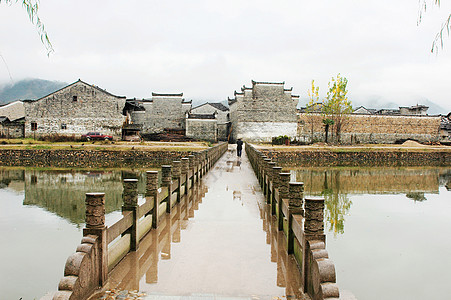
{"x":87,"y":158}
{"x":348,"y":156}
{"x":294,"y":156}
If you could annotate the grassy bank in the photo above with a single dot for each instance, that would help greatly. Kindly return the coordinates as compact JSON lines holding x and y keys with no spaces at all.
{"x":31,"y":144}
{"x":409,"y":147}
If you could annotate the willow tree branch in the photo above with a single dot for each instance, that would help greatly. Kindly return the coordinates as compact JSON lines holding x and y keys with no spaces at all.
{"x":32,"y":7}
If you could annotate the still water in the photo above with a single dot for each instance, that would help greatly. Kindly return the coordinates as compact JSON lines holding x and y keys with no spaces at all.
{"x":387,"y":228}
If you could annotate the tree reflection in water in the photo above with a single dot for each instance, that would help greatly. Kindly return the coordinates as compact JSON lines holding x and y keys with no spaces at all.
{"x":337,"y":184}
{"x":337,"y":203}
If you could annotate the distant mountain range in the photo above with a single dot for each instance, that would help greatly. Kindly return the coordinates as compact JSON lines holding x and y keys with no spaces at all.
{"x":28,"y":89}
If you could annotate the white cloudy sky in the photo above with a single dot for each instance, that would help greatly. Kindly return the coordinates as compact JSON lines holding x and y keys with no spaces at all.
{"x":208,"y":48}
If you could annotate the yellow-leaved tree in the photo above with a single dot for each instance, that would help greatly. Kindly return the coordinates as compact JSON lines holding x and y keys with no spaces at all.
{"x":337,"y":106}
{"x":312,"y":109}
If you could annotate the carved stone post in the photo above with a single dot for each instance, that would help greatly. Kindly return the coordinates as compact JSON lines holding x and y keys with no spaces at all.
{"x":314,"y":217}
{"x":313,"y":230}
{"x":296,"y":194}
{"x":204,"y":161}
{"x":284,"y":180}
{"x":166,"y":181}
{"x":192,"y":161}
{"x":152,"y":191}
{"x":185,"y":172}
{"x":176,"y":175}
{"x":271,"y":165}
{"x":95,"y":225}
{"x":130,"y":199}
{"x":261,"y":170}
{"x":95,"y":210}
{"x":266,"y":169}
{"x":275,"y":178}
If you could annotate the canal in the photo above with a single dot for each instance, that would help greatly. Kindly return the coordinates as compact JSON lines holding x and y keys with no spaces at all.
{"x":387,"y":230}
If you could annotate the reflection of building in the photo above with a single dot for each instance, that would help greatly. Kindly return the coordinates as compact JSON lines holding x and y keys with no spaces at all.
{"x":63,"y":192}
{"x":12,"y":179}
{"x":369,"y":180}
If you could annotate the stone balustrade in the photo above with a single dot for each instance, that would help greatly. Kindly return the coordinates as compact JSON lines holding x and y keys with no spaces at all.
{"x":302,"y":223}
{"x":103,"y":247}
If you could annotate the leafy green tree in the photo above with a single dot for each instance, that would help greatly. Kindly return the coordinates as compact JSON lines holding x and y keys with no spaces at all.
{"x":337,"y":105}
{"x":446,"y":25}
{"x":32,"y":7}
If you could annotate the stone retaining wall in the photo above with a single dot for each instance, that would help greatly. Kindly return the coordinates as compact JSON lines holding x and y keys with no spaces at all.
{"x":367,"y":158}
{"x":87,"y":158}
{"x":373,"y":129}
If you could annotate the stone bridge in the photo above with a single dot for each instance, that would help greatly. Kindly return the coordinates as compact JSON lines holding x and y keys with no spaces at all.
{"x":118,"y":257}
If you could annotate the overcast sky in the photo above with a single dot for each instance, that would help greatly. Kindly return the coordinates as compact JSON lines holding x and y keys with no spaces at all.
{"x":207,"y":49}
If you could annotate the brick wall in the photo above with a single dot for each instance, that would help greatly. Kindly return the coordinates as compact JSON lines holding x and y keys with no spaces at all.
{"x":373,"y":128}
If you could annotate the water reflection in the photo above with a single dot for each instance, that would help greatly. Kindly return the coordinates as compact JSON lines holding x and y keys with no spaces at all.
{"x":155,"y":247}
{"x":288,"y":275}
{"x":63,"y":191}
{"x":141,"y":268}
{"x":336,"y":184}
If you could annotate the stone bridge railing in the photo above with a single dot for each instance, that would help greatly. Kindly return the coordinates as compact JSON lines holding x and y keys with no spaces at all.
{"x":302,"y":224}
{"x":102,"y":247}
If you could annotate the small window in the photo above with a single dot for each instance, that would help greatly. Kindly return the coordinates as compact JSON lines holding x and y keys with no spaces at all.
{"x":74,"y":98}
{"x":63,"y":126}
{"x":34,"y":126}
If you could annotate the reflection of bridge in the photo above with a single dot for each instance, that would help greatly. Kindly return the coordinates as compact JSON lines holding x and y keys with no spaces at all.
{"x":142,"y":250}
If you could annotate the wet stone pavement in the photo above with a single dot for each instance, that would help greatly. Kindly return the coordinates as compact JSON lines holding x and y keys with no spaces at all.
{"x":219,"y":243}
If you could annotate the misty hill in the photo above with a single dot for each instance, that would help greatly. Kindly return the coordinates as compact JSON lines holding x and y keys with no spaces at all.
{"x":434,"y":109}
{"x":28,"y":89}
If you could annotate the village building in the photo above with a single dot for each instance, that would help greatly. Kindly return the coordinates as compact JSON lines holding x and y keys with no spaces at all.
{"x":257,"y":113}
{"x":163,"y":112}
{"x":263,"y":111}
{"x":222,"y":116}
{"x":75,"y":110}
{"x":445,"y":129}
{"x":12,"y":120}
{"x":202,"y":126}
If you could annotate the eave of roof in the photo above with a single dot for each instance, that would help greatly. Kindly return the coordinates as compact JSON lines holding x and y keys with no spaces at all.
{"x":79,"y":80}
{"x":166,"y":95}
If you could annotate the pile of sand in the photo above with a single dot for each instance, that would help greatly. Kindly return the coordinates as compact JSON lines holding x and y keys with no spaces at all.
{"x":410,"y":143}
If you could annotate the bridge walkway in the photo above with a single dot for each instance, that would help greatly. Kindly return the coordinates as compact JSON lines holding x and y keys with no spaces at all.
{"x":222,"y":245}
